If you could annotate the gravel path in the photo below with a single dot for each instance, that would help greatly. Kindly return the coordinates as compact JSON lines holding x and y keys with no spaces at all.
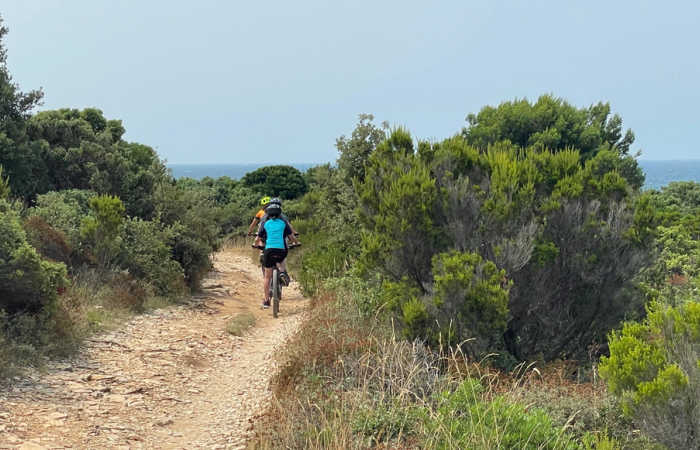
{"x":173,"y":378}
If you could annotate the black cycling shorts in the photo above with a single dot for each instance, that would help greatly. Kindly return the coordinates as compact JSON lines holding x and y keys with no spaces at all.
{"x":272,"y":256}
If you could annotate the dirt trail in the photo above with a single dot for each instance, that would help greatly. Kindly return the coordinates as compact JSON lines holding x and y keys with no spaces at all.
{"x":173,"y":378}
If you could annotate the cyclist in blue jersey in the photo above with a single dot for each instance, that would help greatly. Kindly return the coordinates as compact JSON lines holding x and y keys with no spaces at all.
{"x":274,"y":233}
{"x":276,"y":201}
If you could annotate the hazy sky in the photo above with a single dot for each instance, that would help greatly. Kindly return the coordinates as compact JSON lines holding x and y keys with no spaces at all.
{"x":277,"y":81}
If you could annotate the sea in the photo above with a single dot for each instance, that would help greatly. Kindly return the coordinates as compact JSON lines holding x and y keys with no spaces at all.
{"x":658,"y":173}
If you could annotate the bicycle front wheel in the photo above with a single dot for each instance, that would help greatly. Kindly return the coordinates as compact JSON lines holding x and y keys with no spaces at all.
{"x":276,"y":292}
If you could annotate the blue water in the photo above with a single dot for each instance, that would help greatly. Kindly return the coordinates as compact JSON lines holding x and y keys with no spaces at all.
{"x":658,"y":173}
{"x":235,"y":171}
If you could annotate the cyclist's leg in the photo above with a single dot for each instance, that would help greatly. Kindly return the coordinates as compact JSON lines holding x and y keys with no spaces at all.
{"x":282,"y":266}
{"x":266,"y":285}
{"x":268,"y":263}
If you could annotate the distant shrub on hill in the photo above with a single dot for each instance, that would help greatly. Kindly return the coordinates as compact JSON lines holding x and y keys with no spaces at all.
{"x":280,"y":181}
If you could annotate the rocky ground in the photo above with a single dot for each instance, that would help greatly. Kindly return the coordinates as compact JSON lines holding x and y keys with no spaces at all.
{"x":173,"y":378}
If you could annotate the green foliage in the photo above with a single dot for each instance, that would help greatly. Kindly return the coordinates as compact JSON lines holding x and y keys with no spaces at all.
{"x":673,"y":221}
{"x":415,"y":318}
{"x":553,"y":124}
{"x":353,"y":152}
{"x":102,"y":229}
{"x":63,"y":212}
{"x":4,"y":186}
{"x":27,"y":282}
{"x":85,"y":151}
{"x":550,"y":123}
{"x":399,"y":202}
{"x":331,"y":237}
{"x":386,"y":422}
{"x":682,"y":197}
{"x":194,"y":223}
{"x":471,"y":299}
{"x":145,"y":253}
{"x":466,"y":420}
{"x":654,"y":367}
{"x":530,"y":212}
{"x":279,"y":181}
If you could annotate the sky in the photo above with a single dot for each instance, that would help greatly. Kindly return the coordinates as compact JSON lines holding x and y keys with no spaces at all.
{"x":277,"y":81}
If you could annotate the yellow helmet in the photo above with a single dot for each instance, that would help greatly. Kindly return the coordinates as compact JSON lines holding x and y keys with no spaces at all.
{"x":264,"y":201}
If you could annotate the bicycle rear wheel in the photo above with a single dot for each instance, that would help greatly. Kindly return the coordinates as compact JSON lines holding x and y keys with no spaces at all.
{"x":276,"y":292}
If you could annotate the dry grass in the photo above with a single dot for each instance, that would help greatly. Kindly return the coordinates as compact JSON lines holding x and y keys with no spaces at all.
{"x":347,"y":382}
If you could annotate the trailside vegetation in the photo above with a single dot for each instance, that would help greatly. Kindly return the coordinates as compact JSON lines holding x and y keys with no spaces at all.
{"x":467,"y":288}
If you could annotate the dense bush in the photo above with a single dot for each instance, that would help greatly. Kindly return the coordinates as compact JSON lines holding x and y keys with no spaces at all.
{"x":27,"y":282}
{"x":64,"y":211}
{"x":194,"y":223}
{"x":530,"y":212}
{"x":674,"y":277}
{"x":471,"y":300}
{"x":146,"y":253}
{"x":102,"y":229}
{"x":553,"y":124}
{"x":279,"y":181}
{"x":84,"y":150}
{"x":654,"y":366}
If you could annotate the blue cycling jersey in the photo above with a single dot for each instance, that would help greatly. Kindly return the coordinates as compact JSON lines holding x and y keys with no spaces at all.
{"x":274,"y":231}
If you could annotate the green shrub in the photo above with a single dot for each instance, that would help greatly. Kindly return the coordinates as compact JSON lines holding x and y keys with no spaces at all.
{"x":27,"y":282}
{"x":654,"y":368}
{"x":470,"y":293}
{"x":102,"y":228}
{"x":320,"y":263}
{"x":194,"y":222}
{"x":146,"y":253}
{"x":5,"y":190}
{"x":64,"y":211}
{"x":279,"y":181}
{"x":386,"y":422}
{"x":465,"y":419}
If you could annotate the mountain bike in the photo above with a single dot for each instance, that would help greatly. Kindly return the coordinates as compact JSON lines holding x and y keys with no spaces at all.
{"x":276,"y":282}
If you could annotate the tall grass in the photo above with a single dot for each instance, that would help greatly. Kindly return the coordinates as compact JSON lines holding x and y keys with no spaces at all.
{"x":349,"y":382}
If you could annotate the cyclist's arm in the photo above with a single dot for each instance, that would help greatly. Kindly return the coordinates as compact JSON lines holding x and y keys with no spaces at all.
{"x":252,"y":225}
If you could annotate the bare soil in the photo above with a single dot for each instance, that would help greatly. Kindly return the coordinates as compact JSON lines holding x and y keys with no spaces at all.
{"x":173,"y":378}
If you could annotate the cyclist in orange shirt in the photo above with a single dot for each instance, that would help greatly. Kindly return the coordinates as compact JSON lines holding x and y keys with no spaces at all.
{"x":259,"y":215}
